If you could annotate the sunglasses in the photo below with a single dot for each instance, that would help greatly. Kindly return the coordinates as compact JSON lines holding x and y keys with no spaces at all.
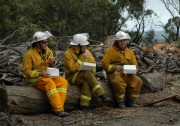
{"x":43,"y":42}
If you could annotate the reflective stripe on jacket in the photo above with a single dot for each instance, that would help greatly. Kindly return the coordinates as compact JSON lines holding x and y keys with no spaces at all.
{"x":35,"y":62}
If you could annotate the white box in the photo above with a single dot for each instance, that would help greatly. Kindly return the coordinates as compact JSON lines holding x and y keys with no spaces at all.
{"x":87,"y":66}
{"x":129,"y":69}
{"x":52,"y":71}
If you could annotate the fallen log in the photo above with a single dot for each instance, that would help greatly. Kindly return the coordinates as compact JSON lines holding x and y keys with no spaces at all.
{"x":30,"y":100}
{"x":178,"y":85}
{"x":149,"y":99}
{"x":159,"y":100}
{"x":175,"y":70}
{"x":177,"y":98}
{"x":23,"y":99}
{"x":148,"y":61}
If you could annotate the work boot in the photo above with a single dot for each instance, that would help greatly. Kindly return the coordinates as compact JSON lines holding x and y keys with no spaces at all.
{"x":131,"y":103}
{"x":84,"y":108}
{"x":62,"y":114}
{"x":121,"y":105}
{"x":105,"y":98}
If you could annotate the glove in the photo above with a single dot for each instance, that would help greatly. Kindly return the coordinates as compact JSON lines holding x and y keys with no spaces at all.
{"x":119,"y":68}
{"x":44,"y":74}
{"x":51,"y":60}
{"x":85,"y":54}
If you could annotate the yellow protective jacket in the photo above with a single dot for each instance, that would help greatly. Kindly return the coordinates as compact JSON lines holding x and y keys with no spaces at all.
{"x":72,"y":61}
{"x":114,"y":57}
{"x":34,"y":62}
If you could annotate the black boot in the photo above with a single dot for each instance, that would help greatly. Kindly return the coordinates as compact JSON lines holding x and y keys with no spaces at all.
{"x":131,"y":103}
{"x":84,"y":108}
{"x":62,"y":114}
{"x":105,"y":98}
{"x":121,"y":105}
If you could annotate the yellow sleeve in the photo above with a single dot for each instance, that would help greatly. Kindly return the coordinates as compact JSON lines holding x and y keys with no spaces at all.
{"x":106,"y":61}
{"x":28,"y":67}
{"x":71,"y":62}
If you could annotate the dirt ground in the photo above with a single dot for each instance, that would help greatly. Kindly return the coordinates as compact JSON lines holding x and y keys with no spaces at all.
{"x":164,"y":113}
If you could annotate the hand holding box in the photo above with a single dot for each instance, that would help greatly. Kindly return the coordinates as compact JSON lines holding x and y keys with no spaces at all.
{"x":87,"y":66}
{"x":52,"y":71}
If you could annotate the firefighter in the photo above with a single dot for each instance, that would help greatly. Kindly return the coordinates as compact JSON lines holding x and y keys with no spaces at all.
{"x":126,"y":87}
{"x":35,"y":62}
{"x":76,"y":54}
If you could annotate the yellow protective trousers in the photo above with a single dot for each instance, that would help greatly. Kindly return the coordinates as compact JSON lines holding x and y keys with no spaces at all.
{"x":55,"y":89}
{"x":121,"y":81}
{"x":89,"y":85}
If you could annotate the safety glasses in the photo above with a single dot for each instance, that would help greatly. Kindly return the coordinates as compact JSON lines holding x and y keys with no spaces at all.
{"x":43,"y":42}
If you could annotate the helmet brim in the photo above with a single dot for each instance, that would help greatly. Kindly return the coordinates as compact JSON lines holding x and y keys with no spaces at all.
{"x":44,"y":38}
{"x":72,"y":43}
{"x":87,"y":43}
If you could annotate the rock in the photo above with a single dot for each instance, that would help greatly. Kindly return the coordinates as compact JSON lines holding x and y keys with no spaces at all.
{"x":152,"y":82}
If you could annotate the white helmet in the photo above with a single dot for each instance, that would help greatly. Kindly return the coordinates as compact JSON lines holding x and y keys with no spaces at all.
{"x":128,"y":37}
{"x":39,"y":36}
{"x":80,"y":39}
{"x":120,"y":35}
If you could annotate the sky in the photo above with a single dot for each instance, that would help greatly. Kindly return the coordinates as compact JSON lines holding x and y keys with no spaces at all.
{"x":158,"y":7}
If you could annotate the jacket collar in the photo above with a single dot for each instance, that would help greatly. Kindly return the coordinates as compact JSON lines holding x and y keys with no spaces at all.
{"x":126,"y":52}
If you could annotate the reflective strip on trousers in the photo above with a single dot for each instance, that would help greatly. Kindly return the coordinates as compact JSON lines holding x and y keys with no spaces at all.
{"x":95,"y":88}
{"x":134,"y":95}
{"x":74,"y":77}
{"x":121,"y":97}
{"x":51,"y":92}
{"x":110,"y":67}
{"x":84,"y":97}
{"x":62,"y":90}
{"x":67,"y":72}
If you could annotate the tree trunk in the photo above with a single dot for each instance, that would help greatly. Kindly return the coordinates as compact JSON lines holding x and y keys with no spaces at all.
{"x":23,"y":99}
{"x":30,"y":100}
